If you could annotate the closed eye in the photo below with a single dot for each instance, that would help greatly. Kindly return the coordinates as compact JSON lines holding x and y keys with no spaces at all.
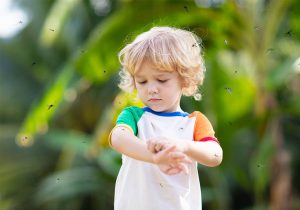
{"x":142,"y":82}
{"x":162,"y":80}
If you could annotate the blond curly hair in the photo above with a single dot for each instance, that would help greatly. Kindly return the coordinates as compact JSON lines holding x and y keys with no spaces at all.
{"x":168,"y":49}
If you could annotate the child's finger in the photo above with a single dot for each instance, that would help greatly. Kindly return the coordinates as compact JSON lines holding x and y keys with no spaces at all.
{"x":177,"y":155}
{"x":151,"y":146}
{"x":185,"y":160}
{"x":180,"y":157}
{"x":169,"y":149}
{"x":158,"y":147}
{"x":173,"y":171}
{"x":177,"y":168}
{"x":184,"y":168}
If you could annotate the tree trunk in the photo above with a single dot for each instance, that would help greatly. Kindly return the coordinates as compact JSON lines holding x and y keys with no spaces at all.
{"x":280,"y":190}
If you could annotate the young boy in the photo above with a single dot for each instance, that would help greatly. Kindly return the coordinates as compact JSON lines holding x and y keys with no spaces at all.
{"x":160,"y":144}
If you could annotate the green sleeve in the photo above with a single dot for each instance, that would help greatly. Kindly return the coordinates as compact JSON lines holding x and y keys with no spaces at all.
{"x":130,"y":116}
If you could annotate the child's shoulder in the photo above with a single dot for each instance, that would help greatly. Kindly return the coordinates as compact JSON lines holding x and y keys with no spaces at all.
{"x":132,"y":111}
{"x":196,"y":114}
{"x":200,"y":117}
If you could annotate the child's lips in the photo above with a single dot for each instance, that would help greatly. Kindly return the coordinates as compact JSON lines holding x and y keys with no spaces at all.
{"x":154,"y":100}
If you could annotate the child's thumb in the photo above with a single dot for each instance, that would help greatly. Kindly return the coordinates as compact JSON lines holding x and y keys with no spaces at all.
{"x":170,"y":149}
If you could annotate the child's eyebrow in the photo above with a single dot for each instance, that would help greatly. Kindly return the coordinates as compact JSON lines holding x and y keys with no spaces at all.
{"x":163,"y":74}
{"x":156,"y":75}
{"x":138,"y":76}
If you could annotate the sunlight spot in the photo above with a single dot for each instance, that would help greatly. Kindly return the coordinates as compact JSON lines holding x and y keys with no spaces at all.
{"x":70,"y":95}
{"x":12,"y":19}
{"x":101,"y":7}
{"x":84,"y":84}
{"x":24,"y":140}
{"x":198,"y":97}
{"x":296,"y":66}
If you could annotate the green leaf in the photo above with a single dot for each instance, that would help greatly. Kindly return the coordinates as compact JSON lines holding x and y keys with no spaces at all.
{"x":280,"y":75}
{"x":73,"y":140}
{"x":68,"y":184}
{"x":38,"y":118}
{"x":55,"y":21}
{"x":261,"y":165}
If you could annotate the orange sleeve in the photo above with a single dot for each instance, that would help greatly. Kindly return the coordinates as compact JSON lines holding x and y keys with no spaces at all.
{"x":203,"y":130}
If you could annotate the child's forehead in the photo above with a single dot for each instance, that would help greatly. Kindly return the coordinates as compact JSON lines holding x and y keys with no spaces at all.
{"x":153,"y":73}
{"x":148,"y":68}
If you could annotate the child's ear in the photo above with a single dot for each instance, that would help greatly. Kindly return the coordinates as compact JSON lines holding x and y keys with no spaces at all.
{"x":184,"y":83}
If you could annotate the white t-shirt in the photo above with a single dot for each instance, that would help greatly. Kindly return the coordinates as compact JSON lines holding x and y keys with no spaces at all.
{"x":141,"y":185}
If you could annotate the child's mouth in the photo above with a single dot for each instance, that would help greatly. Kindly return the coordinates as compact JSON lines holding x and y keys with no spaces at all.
{"x":154,"y":100}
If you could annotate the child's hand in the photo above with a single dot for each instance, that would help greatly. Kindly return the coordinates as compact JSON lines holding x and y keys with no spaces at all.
{"x":160,"y":143}
{"x":169,"y":170}
{"x":171,"y":161}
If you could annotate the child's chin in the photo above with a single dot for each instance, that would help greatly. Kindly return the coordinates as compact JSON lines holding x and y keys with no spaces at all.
{"x":157,"y":109}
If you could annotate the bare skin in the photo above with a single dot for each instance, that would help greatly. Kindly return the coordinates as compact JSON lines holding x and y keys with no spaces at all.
{"x":169,"y":160}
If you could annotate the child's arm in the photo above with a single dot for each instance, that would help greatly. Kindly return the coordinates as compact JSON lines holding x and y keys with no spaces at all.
{"x":125,"y":142}
{"x":207,"y":153}
{"x":168,"y":160}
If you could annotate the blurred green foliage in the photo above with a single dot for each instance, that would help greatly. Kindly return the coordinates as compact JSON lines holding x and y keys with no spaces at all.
{"x":59,"y":100}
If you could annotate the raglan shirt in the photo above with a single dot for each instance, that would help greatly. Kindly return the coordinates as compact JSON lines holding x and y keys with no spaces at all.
{"x":141,"y":185}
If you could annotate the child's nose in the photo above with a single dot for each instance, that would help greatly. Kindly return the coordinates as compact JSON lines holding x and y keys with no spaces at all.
{"x":152,"y":88}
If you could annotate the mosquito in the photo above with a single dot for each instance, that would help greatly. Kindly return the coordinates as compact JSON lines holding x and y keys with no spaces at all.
{"x":186,"y":8}
{"x":228,"y":89}
{"x":50,"y":106}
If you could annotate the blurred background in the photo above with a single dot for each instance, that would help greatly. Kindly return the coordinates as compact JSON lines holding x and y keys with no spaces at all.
{"x":59,"y":98}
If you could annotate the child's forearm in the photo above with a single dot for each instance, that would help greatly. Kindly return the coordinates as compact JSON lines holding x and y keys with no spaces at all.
{"x":207,"y":153}
{"x":123,"y":141}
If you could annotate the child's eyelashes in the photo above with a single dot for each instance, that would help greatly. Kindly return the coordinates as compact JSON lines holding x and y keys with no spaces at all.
{"x":159,"y":80}
{"x":162,"y":80}
{"x":142,"y":82}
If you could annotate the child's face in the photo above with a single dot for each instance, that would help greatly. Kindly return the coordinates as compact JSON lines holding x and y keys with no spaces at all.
{"x":159,"y":90}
